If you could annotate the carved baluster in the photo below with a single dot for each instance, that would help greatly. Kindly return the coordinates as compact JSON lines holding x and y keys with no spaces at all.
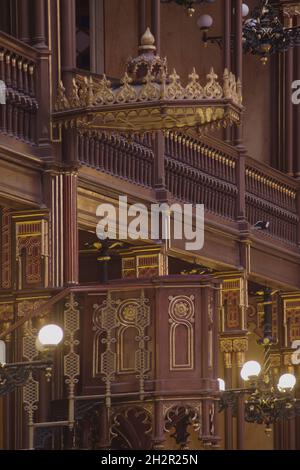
{"x":102,"y":150}
{"x":183,"y":150}
{"x":97,"y":153}
{"x":92,"y":152}
{"x":87,"y":150}
{"x":9,"y":119}
{"x":207,"y":166}
{"x":25,"y":80}
{"x":26,"y":125}
{"x":168,"y":179}
{"x":8,"y":70}
{"x":32,"y":125}
{"x":126,"y":162}
{"x":20,"y":75}
{"x":142,"y":175}
{"x":132,"y":166}
{"x":2,"y":66}
{"x":21,"y":123}
{"x":31,"y":80}
{"x":106,"y":155}
{"x":14,"y":72}
{"x":117,"y":160}
{"x":80,"y":148}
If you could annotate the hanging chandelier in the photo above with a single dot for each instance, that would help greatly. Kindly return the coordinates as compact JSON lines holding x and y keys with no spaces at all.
{"x":264,"y":33}
{"x":266,"y":402}
{"x":189,"y":5}
{"x":268,"y":398}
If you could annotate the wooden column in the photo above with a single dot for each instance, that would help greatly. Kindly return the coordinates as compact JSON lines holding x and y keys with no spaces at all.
{"x":156,"y":24}
{"x":53,"y":194}
{"x":68,"y":34}
{"x":104,"y":442}
{"x":158,"y":432}
{"x":71,"y":274}
{"x":289,"y":112}
{"x":297,"y":111}
{"x":39,"y":38}
{"x":68,"y":41}
{"x":69,"y":148}
{"x":227,"y":50}
{"x":159,"y":141}
{"x":97,"y":36}
{"x":70,"y":224}
{"x":241,"y":184}
{"x":24,"y":33}
{"x":238,"y":57}
{"x":142,"y":18}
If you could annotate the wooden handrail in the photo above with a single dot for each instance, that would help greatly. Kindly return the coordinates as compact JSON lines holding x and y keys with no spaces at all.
{"x":272,"y":173}
{"x":18,"y":47}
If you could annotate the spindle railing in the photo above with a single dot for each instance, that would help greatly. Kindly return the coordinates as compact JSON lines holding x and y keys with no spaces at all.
{"x":18,"y":71}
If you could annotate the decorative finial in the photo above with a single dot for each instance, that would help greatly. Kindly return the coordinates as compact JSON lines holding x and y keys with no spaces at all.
{"x":147,"y":41}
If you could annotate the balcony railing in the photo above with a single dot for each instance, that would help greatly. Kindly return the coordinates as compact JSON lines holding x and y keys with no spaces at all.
{"x":197,"y":170}
{"x":202,"y":171}
{"x":18,"y":70}
{"x":273,"y":197}
{"x":199,"y":173}
{"x":119,"y":157}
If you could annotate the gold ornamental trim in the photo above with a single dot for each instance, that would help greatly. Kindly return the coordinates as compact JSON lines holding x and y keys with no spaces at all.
{"x":147,"y":99}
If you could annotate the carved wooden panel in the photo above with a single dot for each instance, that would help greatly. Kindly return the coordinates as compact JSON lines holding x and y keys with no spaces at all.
{"x":291,"y":308}
{"x":233,"y":301}
{"x":31,"y":250}
{"x":144,"y":263}
{"x":120,"y":344}
{"x":181,"y":332}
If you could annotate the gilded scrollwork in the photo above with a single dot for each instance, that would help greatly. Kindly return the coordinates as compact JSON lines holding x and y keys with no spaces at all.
{"x":179,"y":417}
{"x":31,"y":389}
{"x":71,"y":359}
{"x":151,"y":95}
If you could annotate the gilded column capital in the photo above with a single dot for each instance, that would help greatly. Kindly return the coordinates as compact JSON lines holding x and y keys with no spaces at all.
{"x":240,"y":345}
{"x":287,"y":359}
{"x":226,"y":345}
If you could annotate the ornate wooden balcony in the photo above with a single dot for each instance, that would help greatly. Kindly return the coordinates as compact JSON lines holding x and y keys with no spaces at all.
{"x":26,"y":114}
{"x":147,"y":98}
{"x":202,"y":171}
{"x":198,"y":170}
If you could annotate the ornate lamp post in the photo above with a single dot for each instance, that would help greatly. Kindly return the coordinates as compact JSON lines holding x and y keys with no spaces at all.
{"x":266,"y":402}
{"x":13,"y":375}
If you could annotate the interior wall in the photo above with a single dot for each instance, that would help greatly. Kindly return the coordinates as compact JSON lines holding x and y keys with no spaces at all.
{"x":257,"y":102}
{"x":121,"y":35}
{"x":181,"y":40}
